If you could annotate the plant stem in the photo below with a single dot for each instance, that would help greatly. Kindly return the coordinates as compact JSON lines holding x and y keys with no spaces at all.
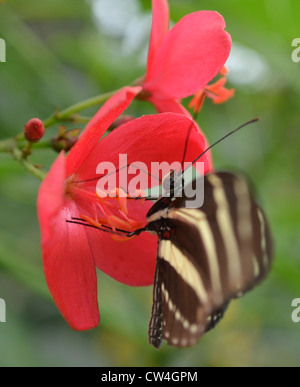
{"x":70,"y":112}
{"x":17,"y":154}
{"x":20,"y":137}
{"x":7,"y":145}
{"x":27,"y":150}
{"x":42,"y":144}
{"x":78,"y":119}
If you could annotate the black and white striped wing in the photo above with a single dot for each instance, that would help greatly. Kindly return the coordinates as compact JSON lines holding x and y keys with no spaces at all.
{"x":208,"y":256}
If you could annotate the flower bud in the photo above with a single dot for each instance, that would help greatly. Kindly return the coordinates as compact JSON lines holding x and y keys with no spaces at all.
{"x":34,"y":130}
{"x":65,"y":139}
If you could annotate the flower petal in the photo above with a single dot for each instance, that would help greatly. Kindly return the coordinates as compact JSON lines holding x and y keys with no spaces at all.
{"x":153,"y":138}
{"x":131,"y":262}
{"x":192,"y":53}
{"x":97,"y":126}
{"x":50,"y":197}
{"x":169,"y":105}
{"x":160,"y":26}
{"x":68,"y":263}
{"x":70,"y":270}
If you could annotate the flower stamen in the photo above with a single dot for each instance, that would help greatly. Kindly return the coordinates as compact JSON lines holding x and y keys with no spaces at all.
{"x":110,"y":211}
{"x":216,"y":91}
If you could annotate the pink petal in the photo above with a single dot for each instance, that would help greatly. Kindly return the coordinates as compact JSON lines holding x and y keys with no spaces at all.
{"x":153,"y":138}
{"x":68,"y":263}
{"x":160,"y":26}
{"x":131,"y":262}
{"x":50,"y":197}
{"x":98,"y":126}
{"x":169,"y":105}
{"x":192,"y":53}
{"x":70,"y":270}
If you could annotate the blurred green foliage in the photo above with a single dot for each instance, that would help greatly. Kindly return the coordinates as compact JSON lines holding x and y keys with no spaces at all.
{"x":57,"y":56}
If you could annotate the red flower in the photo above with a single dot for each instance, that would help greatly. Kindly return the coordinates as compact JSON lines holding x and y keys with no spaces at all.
{"x":71,"y":252}
{"x":183,"y":60}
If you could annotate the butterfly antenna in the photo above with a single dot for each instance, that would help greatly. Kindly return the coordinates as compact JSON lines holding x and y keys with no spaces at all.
{"x":223,"y":138}
{"x":195,"y":116}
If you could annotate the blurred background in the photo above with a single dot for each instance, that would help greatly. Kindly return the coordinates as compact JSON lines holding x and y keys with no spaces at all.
{"x":61,"y":52}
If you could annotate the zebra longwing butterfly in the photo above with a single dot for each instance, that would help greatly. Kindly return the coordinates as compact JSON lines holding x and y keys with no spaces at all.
{"x":206,"y":256}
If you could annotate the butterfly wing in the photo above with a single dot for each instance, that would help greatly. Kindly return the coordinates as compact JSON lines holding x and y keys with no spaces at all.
{"x":177,"y":310}
{"x":206,"y":257}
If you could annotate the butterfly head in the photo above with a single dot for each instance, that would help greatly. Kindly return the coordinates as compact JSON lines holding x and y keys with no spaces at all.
{"x":172,"y":183}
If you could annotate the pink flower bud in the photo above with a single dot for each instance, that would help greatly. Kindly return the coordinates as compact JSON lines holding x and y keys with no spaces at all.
{"x":34,"y":130}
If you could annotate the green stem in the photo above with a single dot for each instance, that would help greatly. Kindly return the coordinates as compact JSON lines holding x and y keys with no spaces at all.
{"x":78,"y":119}
{"x":42,"y":144}
{"x":18,"y":155}
{"x":70,"y":112}
{"x":20,"y":137}
{"x":7,"y":145}
{"x":27,"y":150}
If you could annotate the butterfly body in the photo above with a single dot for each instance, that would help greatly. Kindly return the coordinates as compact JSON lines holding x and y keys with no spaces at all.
{"x":206,"y":257}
